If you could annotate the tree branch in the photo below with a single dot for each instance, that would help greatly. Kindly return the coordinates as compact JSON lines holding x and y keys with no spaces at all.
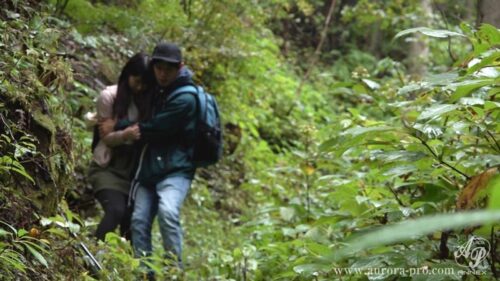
{"x":397,"y":197}
{"x":315,"y":56}
{"x":442,"y":161}
{"x":493,"y":138}
{"x":450,"y":53}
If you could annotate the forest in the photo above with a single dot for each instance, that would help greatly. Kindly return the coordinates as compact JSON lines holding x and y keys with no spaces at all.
{"x":361,"y":138}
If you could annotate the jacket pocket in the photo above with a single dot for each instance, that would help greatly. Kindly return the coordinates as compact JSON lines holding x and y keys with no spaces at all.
{"x":155,"y":166}
{"x":160,"y":163}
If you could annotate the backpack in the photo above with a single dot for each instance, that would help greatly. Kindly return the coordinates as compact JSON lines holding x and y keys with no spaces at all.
{"x":208,"y":130}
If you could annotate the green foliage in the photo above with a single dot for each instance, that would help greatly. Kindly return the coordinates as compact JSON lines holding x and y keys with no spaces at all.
{"x":355,"y":171}
{"x":443,"y":134}
{"x":15,"y":245}
{"x":429,"y":32}
{"x":415,"y":228}
{"x":31,"y":75}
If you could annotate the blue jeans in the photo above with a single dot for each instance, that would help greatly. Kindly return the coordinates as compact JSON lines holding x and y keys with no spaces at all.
{"x":166,"y":201}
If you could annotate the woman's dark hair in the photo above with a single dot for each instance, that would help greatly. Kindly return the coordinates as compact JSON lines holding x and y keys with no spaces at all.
{"x":137,"y":65}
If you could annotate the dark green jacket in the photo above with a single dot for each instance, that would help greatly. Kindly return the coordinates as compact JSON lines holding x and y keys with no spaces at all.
{"x":118,"y":174}
{"x":168,"y":136}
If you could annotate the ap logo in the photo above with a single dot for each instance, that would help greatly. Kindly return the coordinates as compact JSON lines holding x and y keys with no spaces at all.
{"x":472,"y":254}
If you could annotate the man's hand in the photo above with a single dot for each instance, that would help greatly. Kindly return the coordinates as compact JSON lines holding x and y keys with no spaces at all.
{"x":133,"y":132}
{"x":106,"y":126}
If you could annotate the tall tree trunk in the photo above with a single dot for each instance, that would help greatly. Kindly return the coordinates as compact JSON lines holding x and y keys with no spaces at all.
{"x":488,"y":11}
{"x":470,"y":11}
{"x":375,"y":40}
{"x":419,"y":49}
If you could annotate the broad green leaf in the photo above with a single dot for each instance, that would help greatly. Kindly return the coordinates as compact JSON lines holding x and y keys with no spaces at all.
{"x":318,"y":249}
{"x":436,"y":111}
{"x":3,"y":232}
{"x":471,"y":101}
{"x":413,"y":229}
{"x":37,"y":255}
{"x":21,"y":232}
{"x":237,"y":253}
{"x":429,"y":130}
{"x":332,"y":218}
{"x":288,"y":231}
{"x":152,"y":265}
{"x":317,"y":234}
{"x":359,"y":88}
{"x":441,"y":79}
{"x":300,"y":154}
{"x":370,"y":262}
{"x":494,"y":188}
{"x":490,"y":160}
{"x":438,"y":33}
{"x":371,"y":84}
{"x":400,"y":156}
{"x":488,"y":105}
{"x":311,"y":268}
{"x":401,"y":170}
{"x":417,"y":257}
{"x":287,"y":213}
{"x":489,"y":34}
{"x":73,"y":227}
{"x":466,"y":87}
{"x":441,"y":33}
{"x":325,"y":146}
{"x":357,"y":136}
{"x":12,"y":15}
{"x":363,"y":130}
{"x":490,"y":60}
{"x":434,"y":193}
{"x":494,"y":91}
{"x":45,"y":221}
{"x":414,"y":87}
{"x":488,"y":72}
{"x":342,"y":90}
{"x":342,"y":85}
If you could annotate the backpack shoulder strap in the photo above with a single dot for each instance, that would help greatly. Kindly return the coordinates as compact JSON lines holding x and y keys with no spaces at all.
{"x":184,"y":89}
{"x":188,"y":89}
{"x":201,"y":100}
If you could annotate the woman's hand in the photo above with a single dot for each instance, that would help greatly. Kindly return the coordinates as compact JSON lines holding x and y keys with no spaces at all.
{"x":106,"y":126}
{"x":132,"y":133}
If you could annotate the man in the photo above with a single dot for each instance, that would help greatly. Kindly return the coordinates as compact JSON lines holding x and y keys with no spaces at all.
{"x":165,"y":169}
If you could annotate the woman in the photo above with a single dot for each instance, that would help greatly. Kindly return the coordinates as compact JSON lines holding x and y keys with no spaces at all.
{"x":115,"y":155}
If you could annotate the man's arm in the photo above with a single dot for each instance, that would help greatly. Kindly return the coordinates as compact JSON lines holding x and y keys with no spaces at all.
{"x":169,"y":121}
{"x":127,"y":135}
{"x":122,"y":124}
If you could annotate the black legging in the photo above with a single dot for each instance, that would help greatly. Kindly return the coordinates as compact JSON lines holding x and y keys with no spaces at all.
{"x":116,"y":213}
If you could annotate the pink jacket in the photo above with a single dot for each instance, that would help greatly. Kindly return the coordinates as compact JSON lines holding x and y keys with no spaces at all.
{"x":103,"y":151}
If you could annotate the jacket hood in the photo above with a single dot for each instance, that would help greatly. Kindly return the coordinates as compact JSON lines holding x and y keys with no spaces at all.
{"x":185,"y":72}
